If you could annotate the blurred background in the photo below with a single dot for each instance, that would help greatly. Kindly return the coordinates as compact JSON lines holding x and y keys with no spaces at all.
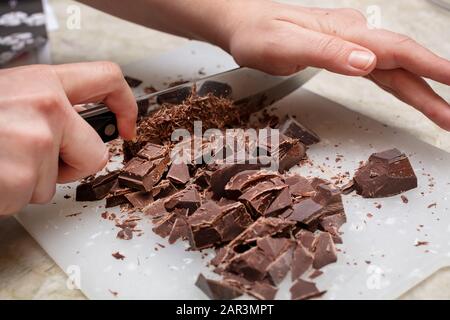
{"x":26,"y":271}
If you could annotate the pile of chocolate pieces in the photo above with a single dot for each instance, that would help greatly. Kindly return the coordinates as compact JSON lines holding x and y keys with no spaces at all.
{"x":261,"y":223}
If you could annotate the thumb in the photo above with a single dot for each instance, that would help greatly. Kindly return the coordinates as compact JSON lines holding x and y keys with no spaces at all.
{"x":321,"y":50}
{"x":82,"y":152}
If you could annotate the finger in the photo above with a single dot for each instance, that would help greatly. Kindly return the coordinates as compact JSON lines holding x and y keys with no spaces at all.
{"x":82,"y":152}
{"x":101,"y":82}
{"x":311,"y":48}
{"x":398,"y":51}
{"x":416,"y":92}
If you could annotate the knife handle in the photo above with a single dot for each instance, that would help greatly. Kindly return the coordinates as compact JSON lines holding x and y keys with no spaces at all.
{"x":103,"y":121}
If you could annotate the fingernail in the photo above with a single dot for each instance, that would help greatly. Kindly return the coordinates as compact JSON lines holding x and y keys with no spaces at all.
{"x":361,"y":60}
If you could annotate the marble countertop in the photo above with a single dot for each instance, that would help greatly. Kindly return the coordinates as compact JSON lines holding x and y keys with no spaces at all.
{"x":27,"y":272}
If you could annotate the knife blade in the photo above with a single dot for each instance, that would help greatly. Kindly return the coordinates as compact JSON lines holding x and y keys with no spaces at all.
{"x":248,"y":88}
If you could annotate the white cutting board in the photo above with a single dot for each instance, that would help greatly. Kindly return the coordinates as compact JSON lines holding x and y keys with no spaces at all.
{"x":82,"y":245}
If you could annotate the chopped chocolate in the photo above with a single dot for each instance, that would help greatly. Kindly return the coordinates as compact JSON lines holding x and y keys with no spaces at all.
{"x":118,"y":256}
{"x":116,"y":196}
{"x":163,"y":189}
{"x":203,"y":233}
{"x":306,"y":211}
{"x":140,"y":199}
{"x":303,"y":290}
{"x":235,"y":219}
{"x":404,"y":199}
{"x":299,"y":186}
{"x":188,"y":198}
{"x":156,"y":209}
{"x":217,"y":290}
{"x":137,"y":174}
{"x":324,"y":250}
{"x":273,"y":247}
{"x":179,"y":173}
{"x":225,"y":172}
{"x":97,"y":188}
{"x":239,"y":183}
{"x":133,"y":82}
{"x":259,"y":198}
{"x":386,"y":174}
{"x":179,"y":230}
{"x":164,"y":226}
{"x":332,"y":224}
{"x":251,"y":264}
{"x":302,"y":261}
{"x":306,"y":238}
{"x":279,"y":268}
{"x":315,"y":274}
{"x":293,"y":129}
{"x":125,"y":234}
{"x":262,"y":291}
{"x":280,"y":204}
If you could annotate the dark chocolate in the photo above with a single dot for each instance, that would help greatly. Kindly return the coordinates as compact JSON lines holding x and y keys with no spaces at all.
{"x":386,"y":174}
{"x":293,"y":129}
{"x":217,"y":290}
{"x":303,"y":290}
{"x":97,"y":188}
{"x":179,"y":173}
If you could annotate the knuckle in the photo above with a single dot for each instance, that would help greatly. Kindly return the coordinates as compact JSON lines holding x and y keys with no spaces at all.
{"x":330,"y":47}
{"x":352,"y":13}
{"x":24,"y":179}
{"x":49,"y":103}
{"x":43,"y":140}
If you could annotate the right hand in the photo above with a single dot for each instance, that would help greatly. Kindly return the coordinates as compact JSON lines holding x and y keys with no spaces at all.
{"x":43,"y":141}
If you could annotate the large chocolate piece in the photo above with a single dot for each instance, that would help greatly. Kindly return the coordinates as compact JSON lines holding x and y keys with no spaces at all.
{"x":179,"y":230}
{"x":259,"y":198}
{"x":303,"y":290}
{"x":386,"y":174}
{"x":203,"y":233}
{"x":279,"y":268}
{"x":239,"y":183}
{"x":156,"y":209}
{"x":97,"y":188}
{"x":324,"y":250}
{"x":225,"y":172}
{"x":293,"y":129}
{"x":262,"y":291}
{"x":179,"y":173}
{"x":251,"y":264}
{"x":302,"y":261}
{"x":163,"y":189}
{"x":140,"y":199}
{"x":217,"y":290}
{"x":117,"y":196}
{"x":299,"y":186}
{"x":234,"y":220}
{"x":282,"y":201}
{"x":188,"y":198}
{"x":137,"y":174}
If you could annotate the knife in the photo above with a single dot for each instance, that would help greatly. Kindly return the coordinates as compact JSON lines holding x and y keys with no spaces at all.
{"x":248,"y":88}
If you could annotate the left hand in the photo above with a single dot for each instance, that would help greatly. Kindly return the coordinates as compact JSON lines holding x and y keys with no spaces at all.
{"x":282,"y":39}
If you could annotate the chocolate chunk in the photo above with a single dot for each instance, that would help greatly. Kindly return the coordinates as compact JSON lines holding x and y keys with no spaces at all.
{"x":299,"y":186}
{"x":97,"y":188}
{"x":324,"y":250}
{"x":225,"y":172}
{"x":163,"y":189}
{"x":306,"y":211}
{"x":259,"y":198}
{"x":251,"y":264}
{"x":332,"y":224}
{"x":179,"y":174}
{"x":137,"y":174}
{"x":302,"y":261}
{"x":239,"y":183}
{"x":280,"y":204}
{"x":262,"y":291}
{"x":234,"y":220}
{"x":188,"y":198}
{"x":293,"y":129}
{"x":217,"y":290}
{"x":133,"y":82}
{"x":156,"y":209}
{"x":164,"y":226}
{"x":386,"y":174}
{"x":116,"y":196}
{"x":273,"y":247}
{"x":202,"y":178}
{"x":303,"y":290}
{"x":153,"y":151}
{"x":118,"y":256}
{"x":203,"y":233}
{"x":125,"y":234}
{"x":306,"y":238}
{"x":179,"y":230}
{"x":279,"y":268}
{"x":140,"y":199}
